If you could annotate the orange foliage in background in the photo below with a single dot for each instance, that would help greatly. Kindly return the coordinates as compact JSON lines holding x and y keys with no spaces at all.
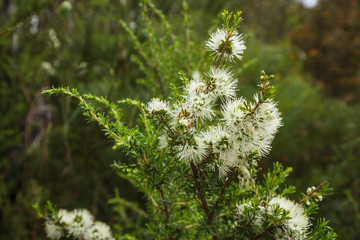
{"x":330,"y":39}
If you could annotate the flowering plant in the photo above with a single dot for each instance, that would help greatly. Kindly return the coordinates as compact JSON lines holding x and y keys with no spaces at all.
{"x":196,"y":157}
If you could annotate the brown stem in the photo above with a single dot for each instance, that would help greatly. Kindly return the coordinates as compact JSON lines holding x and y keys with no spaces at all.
{"x":226,"y":185}
{"x":167,"y":125}
{"x":9,"y":29}
{"x":223,"y":50}
{"x":263,"y":232}
{"x":204,"y":204}
{"x":261,"y":100}
{"x":312,"y":192}
{"x":286,"y":233}
{"x":165,"y":203}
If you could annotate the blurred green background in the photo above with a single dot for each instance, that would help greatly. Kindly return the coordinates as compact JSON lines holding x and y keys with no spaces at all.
{"x":48,"y":151}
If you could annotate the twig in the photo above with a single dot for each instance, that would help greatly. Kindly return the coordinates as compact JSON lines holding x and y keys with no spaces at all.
{"x":263,"y":232}
{"x":226,"y":185}
{"x":165,"y":203}
{"x":312,"y":192}
{"x":286,"y":233}
{"x":10,"y":28}
{"x":204,"y":204}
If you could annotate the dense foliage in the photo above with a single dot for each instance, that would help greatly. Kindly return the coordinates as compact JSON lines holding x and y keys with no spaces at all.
{"x":48,"y":153}
{"x":196,"y":158}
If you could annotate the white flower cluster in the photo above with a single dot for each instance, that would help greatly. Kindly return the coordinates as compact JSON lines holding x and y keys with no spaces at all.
{"x":257,"y":215}
{"x":298,"y":222}
{"x":315,"y":196}
{"x":241,"y":128}
{"x":79,"y":224}
{"x":296,"y":226}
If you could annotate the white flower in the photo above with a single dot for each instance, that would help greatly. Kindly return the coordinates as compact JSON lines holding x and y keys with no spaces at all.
{"x":233,"y":49}
{"x":52,"y":230}
{"x":197,"y":102}
{"x":82,"y":220}
{"x":254,"y":131}
{"x":224,"y":84}
{"x":257,"y":215}
{"x":219,"y":139}
{"x":192,"y":152}
{"x":65,"y":217}
{"x":267,"y":118}
{"x":221,"y":143}
{"x":298,"y":222}
{"x":157,"y":106}
{"x":180,"y":116}
{"x":196,"y":85}
{"x":234,"y":112}
{"x":200,"y":105}
{"x":242,"y":129}
{"x":98,"y":231}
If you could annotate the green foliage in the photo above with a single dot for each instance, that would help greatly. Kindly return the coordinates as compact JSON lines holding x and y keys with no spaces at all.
{"x":323,"y":231}
{"x":48,"y":153}
{"x":186,"y":199}
{"x":319,"y":136}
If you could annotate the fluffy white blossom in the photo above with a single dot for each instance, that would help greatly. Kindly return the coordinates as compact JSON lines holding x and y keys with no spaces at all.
{"x":234,"y":112}
{"x":233,"y":49}
{"x":221,"y":142}
{"x":65,"y":216}
{"x":224,"y":83}
{"x":98,"y":231}
{"x":197,"y":101}
{"x":298,"y":222}
{"x":52,"y":230}
{"x":196,"y":85}
{"x":78,"y":224}
{"x":267,"y":118}
{"x":82,"y":220}
{"x":257,"y":214}
{"x":200,"y":105}
{"x":193,"y":151}
{"x":181,"y":116}
{"x":157,"y":106}
{"x":253,"y":131}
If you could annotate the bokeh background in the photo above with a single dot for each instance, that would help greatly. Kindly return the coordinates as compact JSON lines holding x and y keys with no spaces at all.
{"x":49,"y":152}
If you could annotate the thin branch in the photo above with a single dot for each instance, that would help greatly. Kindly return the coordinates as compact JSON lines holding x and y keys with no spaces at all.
{"x":165,"y":203}
{"x":203,"y":201}
{"x":9,"y":29}
{"x":261,"y":99}
{"x":167,"y":125}
{"x":312,"y":192}
{"x":263,"y":232}
{"x":286,"y":233}
{"x":226,"y":185}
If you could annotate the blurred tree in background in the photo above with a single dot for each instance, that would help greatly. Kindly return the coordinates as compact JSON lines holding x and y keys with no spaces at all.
{"x":47,"y":152}
{"x":330,"y":38}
